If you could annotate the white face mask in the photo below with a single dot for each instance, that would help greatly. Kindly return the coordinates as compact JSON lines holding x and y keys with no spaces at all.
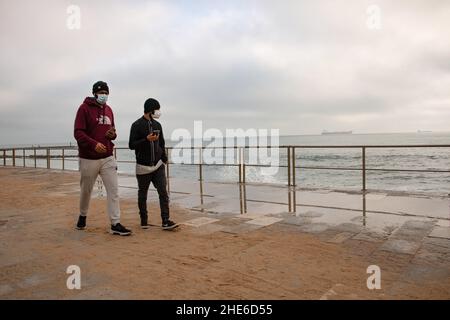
{"x":156,"y":114}
{"x":102,"y":98}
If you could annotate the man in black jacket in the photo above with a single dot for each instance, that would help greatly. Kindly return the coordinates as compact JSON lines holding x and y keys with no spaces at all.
{"x":147,"y":140}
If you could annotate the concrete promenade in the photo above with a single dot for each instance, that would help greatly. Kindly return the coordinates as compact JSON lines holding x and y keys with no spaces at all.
{"x":320,"y":252}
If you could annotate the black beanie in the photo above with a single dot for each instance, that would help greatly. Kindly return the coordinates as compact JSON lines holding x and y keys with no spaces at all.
{"x":99,"y":86}
{"x":150,"y":105}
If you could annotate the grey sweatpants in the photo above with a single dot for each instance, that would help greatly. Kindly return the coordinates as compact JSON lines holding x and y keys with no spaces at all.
{"x":107,"y":168}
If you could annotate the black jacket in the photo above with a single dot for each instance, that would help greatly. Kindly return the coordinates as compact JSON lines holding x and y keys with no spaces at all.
{"x":148,"y":153}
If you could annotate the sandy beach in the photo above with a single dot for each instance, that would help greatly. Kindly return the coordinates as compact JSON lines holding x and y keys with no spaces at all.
{"x":218,"y":256}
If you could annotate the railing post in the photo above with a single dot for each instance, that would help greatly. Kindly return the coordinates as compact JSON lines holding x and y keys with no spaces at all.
{"x":48,"y":158}
{"x":35,"y":161}
{"x":4,"y":157}
{"x":14,"y":157}
{"x":289,"y":165}
{"x":288,"y":159}
{"x":364,"y":209}
{"x":242,"y":198}
{"x":294,"y":193}
{"x":242,"y":195}
{"x":200,"y":169}
{"x":364,"y":168}
{"x":239,"y":165}
{"x":245,"y":197}
{"x":293,"y":166}
{"x":241,"y":202}
{"x":201,"y":194}
{"x":168,"y":172}
{"x":62,"y":154}
{"x":243,"y":166}
{"x":23,"y":154}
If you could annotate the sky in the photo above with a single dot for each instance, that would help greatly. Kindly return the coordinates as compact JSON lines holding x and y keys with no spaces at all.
{"x":297,"y":66}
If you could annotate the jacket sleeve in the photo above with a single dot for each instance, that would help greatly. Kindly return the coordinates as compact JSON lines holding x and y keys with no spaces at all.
{"x":162,"y":144}
{"x":113,"y":125}
{"x":135,"y":141}
{"x":80,"y":131}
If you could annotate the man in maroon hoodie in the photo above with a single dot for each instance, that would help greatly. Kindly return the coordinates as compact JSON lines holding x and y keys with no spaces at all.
{"x":94,"y":132}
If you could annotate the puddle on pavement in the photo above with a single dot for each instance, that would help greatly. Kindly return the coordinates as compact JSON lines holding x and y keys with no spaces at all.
{"x":378,"y":212}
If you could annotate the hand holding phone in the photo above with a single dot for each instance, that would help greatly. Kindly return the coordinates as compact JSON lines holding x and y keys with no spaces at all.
{"x":111,"y":133}
{"x":152,"y":137}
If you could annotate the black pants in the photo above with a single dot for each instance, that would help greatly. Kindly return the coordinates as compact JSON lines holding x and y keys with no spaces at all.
{"x":158,"y":178}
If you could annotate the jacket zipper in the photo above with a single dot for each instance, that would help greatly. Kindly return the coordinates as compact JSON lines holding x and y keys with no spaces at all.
{"x":153,"y":146}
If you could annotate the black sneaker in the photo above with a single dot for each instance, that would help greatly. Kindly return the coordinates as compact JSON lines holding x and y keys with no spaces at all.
{"x":81,"y":224}
{"x":120,"y":230}
{"x":169,"y":225}
{"x":144,"y":222}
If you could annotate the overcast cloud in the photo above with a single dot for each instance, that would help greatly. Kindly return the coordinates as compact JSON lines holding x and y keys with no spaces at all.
{"x":294,"y":65}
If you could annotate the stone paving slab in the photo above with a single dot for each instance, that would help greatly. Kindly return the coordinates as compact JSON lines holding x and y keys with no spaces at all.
{"x":296,"y":220}
{"x":240,"y":228}
{"x":443,"y":223}
{"x":5,"y":289}
{"x":442,"y":243}
{"x":197,"y":222}
{"x":231,"y":221}
{"x":314,"y":227}
{"x":20,"y":257}
{"x":370,"y":236}
{"x":264,"y":221}
{"x":310,"y":214}
{"x":400,"y":246}
{"x":33,"y":280}
{"x":348,"y":227}
{"x":341,"y":237}
{"x":253,"y":215}
{"x":413,"y":230}
{"x":420,"y":273}
{"x":440,"y":232}
{"x":418,"y":224}
{"x":208,"y":229}
{"x":210,"y":205}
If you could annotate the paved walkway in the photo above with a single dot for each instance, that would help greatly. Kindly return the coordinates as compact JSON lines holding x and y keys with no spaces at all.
{"x":322,"y":252}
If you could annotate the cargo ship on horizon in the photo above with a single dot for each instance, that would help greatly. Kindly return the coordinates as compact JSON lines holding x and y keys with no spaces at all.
{"x":337,"y":132}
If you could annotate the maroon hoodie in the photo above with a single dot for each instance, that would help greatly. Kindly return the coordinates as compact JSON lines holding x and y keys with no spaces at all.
{"x":91,"y":123}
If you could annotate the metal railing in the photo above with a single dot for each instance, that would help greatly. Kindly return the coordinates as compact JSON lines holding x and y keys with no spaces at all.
{"x":16,"y":154}
{"x":46,"y":154}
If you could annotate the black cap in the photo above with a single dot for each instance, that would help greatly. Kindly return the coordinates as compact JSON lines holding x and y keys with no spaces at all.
{"x":99,"y":86}
{"x":150,"y":105}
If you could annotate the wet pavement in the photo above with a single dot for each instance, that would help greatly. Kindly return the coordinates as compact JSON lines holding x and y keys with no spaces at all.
{"x":400,"y":222}
{"x":367,"y":215}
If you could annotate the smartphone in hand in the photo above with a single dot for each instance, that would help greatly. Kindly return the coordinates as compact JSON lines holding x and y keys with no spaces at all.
{"x":153,"y":136}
